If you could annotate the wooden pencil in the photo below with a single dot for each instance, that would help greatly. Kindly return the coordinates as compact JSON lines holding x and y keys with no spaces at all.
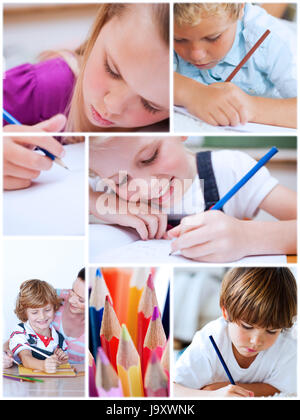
{"x":155,"y":339}
{"x":156,"y":381}
{"x":137,"y":284}
{"x":110,"y":333}
{"x":145,"y":310}
{"x":107,"y":382}
{"x":248,"y":55}
{"x":129,"y":366}
{"x":96,"y":307}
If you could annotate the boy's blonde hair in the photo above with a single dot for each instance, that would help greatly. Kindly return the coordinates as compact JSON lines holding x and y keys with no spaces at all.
{"x":193,"y":13}
{"x":263,"y":297}
{"x":35,"y":294}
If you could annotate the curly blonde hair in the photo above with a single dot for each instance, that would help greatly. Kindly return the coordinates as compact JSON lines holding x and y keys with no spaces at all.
{"x":193,"y":13}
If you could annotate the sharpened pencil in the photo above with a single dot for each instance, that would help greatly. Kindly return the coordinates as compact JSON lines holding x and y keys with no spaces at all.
{"x":107,"y":381}
{"x":110,"y":333}
{"x":129,"y":366}
{"x":156,"y":381}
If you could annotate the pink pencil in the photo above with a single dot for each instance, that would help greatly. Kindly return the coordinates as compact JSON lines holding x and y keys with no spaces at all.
{"x":156,"y":381}
{"x":107,"y":382}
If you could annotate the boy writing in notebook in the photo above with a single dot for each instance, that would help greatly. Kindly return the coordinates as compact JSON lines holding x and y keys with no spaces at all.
{"x":148,"y":183}
{"x":210,"y":40}
{"x":254,"y":336}
{"x":36,"y":305}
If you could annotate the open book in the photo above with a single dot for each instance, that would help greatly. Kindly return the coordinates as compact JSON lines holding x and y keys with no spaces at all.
{"x":111,"y":244}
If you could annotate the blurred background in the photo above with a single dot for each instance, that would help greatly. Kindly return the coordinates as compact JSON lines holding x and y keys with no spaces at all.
{"x":30,"y":29}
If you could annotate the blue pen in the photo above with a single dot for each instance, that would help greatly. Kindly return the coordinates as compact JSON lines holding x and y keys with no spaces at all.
{"x":221,"y":360}
{"x":245,"y":179}
{"x":11,"y":120}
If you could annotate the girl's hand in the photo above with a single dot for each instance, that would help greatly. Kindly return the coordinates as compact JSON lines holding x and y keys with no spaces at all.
{"x":232,"y":391}
{"x":138,"y":216}
{"x":8,"y":359}
{"x":62,"y":357}
{"x":211,"y":236}
{"x":50,"y":364}
{"x":222,"y":104}
{"x":20,"y":163}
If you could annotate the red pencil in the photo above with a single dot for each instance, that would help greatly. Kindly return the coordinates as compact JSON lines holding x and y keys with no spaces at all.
{"x":156,"y":381}
{"x":110,"y":333}
{"x":248,"y":55}
{"x":155,"y":339}
{"x":145,"y":310}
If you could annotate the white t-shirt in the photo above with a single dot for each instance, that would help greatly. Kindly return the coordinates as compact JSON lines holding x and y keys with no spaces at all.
{"x":199,"y":364}
{"x":229,"y":167}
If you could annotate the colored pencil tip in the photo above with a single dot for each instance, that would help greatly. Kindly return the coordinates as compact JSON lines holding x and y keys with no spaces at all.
{"x":102,"y":356}
{"x":153,"y":358}
{"x":108,"y":299}
{"x":125,"y":334}
{"x":155,"y":314}
{"x":150,"y":283}
{"x":98,"y":272}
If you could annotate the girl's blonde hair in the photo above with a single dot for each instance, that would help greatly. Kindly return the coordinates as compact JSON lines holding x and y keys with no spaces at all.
{"x":264,"y":297}
{"x":193,"y":13}
{"x":35,"y":294}
{"x":77,"y":121}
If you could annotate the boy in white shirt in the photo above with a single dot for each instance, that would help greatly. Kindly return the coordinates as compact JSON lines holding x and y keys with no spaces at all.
{"x":254,"y":337}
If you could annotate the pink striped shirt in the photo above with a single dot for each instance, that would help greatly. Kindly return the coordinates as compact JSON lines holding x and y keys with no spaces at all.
{"x":76,"y":345}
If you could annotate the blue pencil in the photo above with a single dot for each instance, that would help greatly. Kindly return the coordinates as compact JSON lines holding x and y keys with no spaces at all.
{"x":221,"y":360}
{"x":245,"y":179}
{"x":11,"y":120}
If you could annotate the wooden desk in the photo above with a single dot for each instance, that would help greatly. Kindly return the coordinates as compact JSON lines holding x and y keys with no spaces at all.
{"x":51,"y":387}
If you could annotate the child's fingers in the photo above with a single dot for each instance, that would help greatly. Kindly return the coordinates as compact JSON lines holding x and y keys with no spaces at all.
{"x":9,"y":169}
{"x":12,"y":183}
{"x":27,"y":158}
{"x":151,"y":223}
{"x":135,"y":223}
{"x":191,"y":238}
{"x":162,"y":226}
{"x":46,"y":142}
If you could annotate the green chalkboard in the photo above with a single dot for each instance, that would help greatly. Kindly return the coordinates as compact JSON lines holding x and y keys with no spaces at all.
{"x":251,"y":142}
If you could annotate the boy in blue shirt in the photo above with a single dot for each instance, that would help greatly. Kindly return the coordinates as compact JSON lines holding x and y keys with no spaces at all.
{"x":210,"y":40}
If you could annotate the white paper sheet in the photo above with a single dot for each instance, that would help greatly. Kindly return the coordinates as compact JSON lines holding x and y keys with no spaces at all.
{"x":111,"y":244}
{"x":54,"y":204}
{"x":184,"y":121}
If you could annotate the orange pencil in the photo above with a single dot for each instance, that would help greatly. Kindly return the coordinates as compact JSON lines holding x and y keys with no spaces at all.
{"x":155,"y":339}
{"x":117,"y":280}
{"x":137,"y":283}
{"x":156,"y":381}
{"x":129,"y":366}
{"x":145,"y":310}
{"x":110,"y":333}
{"x":248,"y":55}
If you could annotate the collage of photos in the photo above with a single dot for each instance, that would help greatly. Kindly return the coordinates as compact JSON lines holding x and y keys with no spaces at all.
{"x":149,"y":204}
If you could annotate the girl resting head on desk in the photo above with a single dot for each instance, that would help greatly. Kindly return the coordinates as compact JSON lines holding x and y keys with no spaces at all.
{"x":150,"y":183}
{"x":115,"y":81}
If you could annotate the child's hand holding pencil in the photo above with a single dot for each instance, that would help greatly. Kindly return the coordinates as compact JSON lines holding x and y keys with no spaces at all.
{"x":20,"y":163}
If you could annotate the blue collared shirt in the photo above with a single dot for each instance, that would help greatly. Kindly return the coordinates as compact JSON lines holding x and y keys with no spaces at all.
{"x":270,"y":72}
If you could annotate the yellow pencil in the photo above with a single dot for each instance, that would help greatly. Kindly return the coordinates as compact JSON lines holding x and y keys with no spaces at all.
{"x":137,"y":283}
{"x":129,"y":366}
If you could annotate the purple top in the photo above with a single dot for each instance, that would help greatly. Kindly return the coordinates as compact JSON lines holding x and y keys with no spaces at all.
{"x":33,"y":93}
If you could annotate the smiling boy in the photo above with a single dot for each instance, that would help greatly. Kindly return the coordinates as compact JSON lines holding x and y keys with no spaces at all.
{"x":36,"y":305}
{"x":210,"y":40}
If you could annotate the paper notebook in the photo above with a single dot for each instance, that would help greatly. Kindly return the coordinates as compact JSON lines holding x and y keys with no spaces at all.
{"x":184,"y":121}
{"x":109,"y":244}
{"x":64,"y":371}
